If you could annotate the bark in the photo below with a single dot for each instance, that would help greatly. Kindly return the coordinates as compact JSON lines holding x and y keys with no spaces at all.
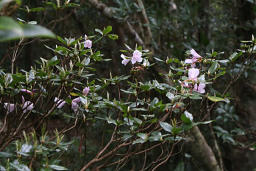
{"x":202,"y":151}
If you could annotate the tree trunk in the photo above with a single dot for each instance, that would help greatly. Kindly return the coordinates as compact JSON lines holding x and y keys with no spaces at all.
{"x":202,"y":151}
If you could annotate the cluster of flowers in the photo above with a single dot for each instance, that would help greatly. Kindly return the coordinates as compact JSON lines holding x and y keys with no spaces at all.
{"x":193,"y":81}
{"x":75,"y":102}
{"x":28,"y":105}
{"x":136,"y":57}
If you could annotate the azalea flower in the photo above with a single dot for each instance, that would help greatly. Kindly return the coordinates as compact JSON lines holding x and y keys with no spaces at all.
{"x":60,"y":102}
{"x":188,"y":115}
{"x":193,"y":73}
{"x":194,"y":54}
{"x":74,"y":104}
{"x":136,"y":57}
{"x":86,"y":91}
{"x":27,"y":105}
{"x":125,"y":60}
{"x":88,"y":44}
{"x":26,"y":91}
{"x":199,"y":88}
{"x":195,"y":57}
{"x":9,"y":107}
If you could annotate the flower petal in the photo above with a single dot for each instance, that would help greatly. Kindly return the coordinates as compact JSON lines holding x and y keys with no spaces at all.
{"x":193,"y":73}
{"x":86,"y":91}
{"x":194,"y":53}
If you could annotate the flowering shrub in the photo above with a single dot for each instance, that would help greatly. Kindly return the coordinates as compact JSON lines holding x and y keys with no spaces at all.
{"x":138,"y":111}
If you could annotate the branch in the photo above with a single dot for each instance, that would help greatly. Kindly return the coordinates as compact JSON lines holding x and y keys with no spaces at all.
{"x":148,"y":36}
{"x":102,"y":7}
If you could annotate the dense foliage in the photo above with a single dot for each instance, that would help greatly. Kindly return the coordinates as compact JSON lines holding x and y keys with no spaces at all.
{"x":127,"y":85}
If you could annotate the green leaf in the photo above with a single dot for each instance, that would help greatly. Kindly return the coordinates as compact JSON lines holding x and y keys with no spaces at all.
{"x":170,"y":96}
{"x":142,"y":136}
{"x":56,"y":167}
{"x":113,"y":36}
{"x":107,"y":30}
{"x":11,"y":30}
{"x":37,"y":31}
{"x":31,"y":75}
{"x":5,"y":155}
{"x":217,"y":99}
{"x":86,"y":61}
{"x":203,"y":123}
{"x":98,"y":31}
{"x":155,"y":136}
{"x":167,"y":127}
{"x":185,"y":119}
{"x":213,"y":67}
{"x":235,"y":56}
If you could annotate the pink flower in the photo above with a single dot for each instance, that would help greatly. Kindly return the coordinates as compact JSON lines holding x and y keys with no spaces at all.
{"x":200,"y":88}
{"x":60,"y":102}
{"x":86,"y":91}
{"x":136,"y":57}
{"x":88,"y":44}
{"x":194,"y":59}
{"x":193,"y":73}
{"x":26,"y":91}
{"x":125,"y":60}
{"x":194,"y":54}
{"x":74,"y":104}
{"x":9,"y":107}
{"x":26,"y":105}
{"x":75,"y":107}
{"x":188,"y":61}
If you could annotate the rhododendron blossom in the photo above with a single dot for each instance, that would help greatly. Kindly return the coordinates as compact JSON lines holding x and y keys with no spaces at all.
{"x":194,"y":54}
{"x":88,"y":44}
{"x":60,"y":102}
{"x":27,"y":106}
{"x":86,"y":91}
{"x":125,"y":60}
{"x":74,"y":104}
{"x":26,"y":91}
{"x":193,"y":73}
{"x":9,"y":107}
{"x":136,"y":57}
{"x":199,"y":88}
{"x":195,"y":57}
